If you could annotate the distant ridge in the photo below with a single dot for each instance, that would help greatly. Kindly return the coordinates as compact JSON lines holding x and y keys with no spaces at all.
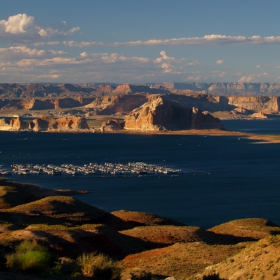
{"x":47,"y":90}
{"x":225,"y":88}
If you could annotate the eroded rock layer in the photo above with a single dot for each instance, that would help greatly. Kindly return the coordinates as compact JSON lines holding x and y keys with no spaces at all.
{"x":163,"y":114}
{"x":44,"y":124}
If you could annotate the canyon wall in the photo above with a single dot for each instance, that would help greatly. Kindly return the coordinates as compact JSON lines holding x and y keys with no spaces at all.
{"x":44,"y":104}
{"x":256,"y":103}
{"x":44,"y":124}
{"x":122,"y":104}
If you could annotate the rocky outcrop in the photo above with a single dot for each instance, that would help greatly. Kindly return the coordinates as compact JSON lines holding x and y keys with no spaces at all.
{"x":259,"y":115}
{"x":44,"y":124}
{"x":256,"y":103}
{"x":14,"y":124}
{"x":60,"y":124}
{"x":111,"y":125}
{"x":44,"y":104}
{"x":162,"y":114}
{"x":117,"y":104}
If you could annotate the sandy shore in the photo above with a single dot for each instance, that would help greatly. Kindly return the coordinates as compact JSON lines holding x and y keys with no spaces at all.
{"x":260,"y":139}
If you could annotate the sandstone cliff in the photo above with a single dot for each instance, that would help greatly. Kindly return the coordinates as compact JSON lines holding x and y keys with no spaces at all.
{"x":44,"y":104}
{"x":44,"y":124}
{"x":255,"y":103}
{"x":163,"y":114}
{"x":14,"y":124}
{"x":117,"y":104}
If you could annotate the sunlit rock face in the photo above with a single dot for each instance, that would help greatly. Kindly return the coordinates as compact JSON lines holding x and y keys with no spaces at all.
{"x":44,"y":124}
{"x":161,"y":114}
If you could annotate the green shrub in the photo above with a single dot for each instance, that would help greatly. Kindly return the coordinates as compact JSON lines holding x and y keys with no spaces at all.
{"x":98,"y":266}
{"x":29,"y":257}
{"x":35,"y":261}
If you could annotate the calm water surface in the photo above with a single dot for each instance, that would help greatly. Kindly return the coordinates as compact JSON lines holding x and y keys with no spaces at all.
{"x":227,"y":177}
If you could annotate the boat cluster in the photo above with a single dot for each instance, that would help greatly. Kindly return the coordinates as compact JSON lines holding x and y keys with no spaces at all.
{"x":137,"y":168}
{"x":5,"y":172}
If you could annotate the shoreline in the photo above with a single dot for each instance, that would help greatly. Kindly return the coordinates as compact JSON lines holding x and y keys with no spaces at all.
{"x":262,"y":139}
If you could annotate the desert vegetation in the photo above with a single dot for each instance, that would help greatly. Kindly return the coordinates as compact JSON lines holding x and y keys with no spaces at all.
{"x":44,"y":234}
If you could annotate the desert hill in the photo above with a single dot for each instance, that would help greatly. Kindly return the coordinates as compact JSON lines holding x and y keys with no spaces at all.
{"x":142,"y":242}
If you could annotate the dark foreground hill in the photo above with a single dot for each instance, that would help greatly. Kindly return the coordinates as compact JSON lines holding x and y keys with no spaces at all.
{"x":141,"y":242}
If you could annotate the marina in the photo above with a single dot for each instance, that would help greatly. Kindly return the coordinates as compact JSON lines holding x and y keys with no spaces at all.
{"x":113,"y":169}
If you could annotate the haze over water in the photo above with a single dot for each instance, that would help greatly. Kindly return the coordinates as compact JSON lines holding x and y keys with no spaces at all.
{"x":227,"y":177}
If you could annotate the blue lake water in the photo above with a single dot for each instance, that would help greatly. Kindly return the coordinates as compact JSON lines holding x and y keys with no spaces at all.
{"x":227,"y":177}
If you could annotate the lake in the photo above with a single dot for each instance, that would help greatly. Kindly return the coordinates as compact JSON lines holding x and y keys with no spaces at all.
{"x":226,"y":177}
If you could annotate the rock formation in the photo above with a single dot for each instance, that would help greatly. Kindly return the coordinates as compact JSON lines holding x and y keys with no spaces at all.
{"x":111,"y":125}
{"x":14,"y":124}
{"x":256,"y":103}
{"x":44,"y":104}
{"x":44,"y":124}
{"x":117,"y":104}
{"x":162,"y":114}
{"x":259,"y":115}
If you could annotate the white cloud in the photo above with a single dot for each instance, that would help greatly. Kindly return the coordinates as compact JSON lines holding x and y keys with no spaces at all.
{"x":84,"y":54}
{"x":258,"y":66}
{"x":17,"y":24}
{"x":214,"y":39}
{"x":249,"y":78}
{"x":193,"y":63}
{"x":220,"y":61}
{"x":172,"y":65}
{"x":26,"y":64}
{"x":22,"y":27}
{"x":193,"y":78}
{"x":48,"y":76}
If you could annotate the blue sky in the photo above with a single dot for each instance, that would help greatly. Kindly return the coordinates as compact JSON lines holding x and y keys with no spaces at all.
{"x":131,"y":41}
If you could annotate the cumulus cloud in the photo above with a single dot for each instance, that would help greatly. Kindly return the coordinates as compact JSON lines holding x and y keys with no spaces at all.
{"x":214,"y":39}
{"x":220,"y":61}
{"x":249,"y":78}
{"x":193,"y":78}
{"x":172,"y":65}
{"x":17,"y":24}
{"x":21,"y":64}
{"x":22,"y":27}
{"x":33,"y":64}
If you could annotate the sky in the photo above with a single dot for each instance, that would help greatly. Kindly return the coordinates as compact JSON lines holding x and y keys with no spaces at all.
{"x":133,"y":41}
